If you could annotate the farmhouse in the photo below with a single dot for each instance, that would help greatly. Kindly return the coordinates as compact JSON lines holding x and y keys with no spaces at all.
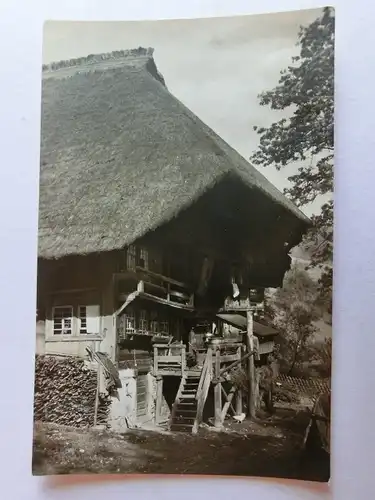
{"x":150,"y":225}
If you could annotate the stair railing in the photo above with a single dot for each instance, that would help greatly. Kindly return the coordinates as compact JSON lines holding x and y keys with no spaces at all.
{"x":203,"y":388}
{"x":177,"y":400}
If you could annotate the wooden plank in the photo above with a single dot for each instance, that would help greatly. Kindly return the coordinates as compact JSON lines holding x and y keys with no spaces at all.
{"x":251,"y":366}
{"x":266,"y":347}
{"x":155,"y":360}
{"x":166,"y":346}
{"x":169,"y":359}
{"x":226,"y":358}
{"x":217,"y":392}
{"x":130,"y":298}
{"x":166,"y":302}
{"x":159,"y":399}
{"x":141,"y":395}
{"x":203,"y":388}
{"x":162,"y":277}
{"x":183,"y":360}
{"x":170,"y":373}
{"x":239,"y":402}
{"x":228,"y":402}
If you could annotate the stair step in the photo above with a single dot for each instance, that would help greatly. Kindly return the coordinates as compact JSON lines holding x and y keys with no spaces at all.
{"x":183,"y":420}
{"x":188,"y":391}
{"x":181,"y":428}
{"x":186,"y":407}
{"x":187,"y":396}
{"x":185,"y":411}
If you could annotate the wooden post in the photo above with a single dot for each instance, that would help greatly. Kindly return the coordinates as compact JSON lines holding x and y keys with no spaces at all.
{"x":239,"y":402}
{"x":217,"y":391}
{"x":155,"y":361}
{"x":228,"y":402}
{"x":239,"y":390}
{"x":159,"y":398}
{"x":251,"y":407}
{"x":183,"y":360}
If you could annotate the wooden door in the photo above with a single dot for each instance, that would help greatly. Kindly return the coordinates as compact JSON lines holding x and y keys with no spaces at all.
{"x":141,"y":395}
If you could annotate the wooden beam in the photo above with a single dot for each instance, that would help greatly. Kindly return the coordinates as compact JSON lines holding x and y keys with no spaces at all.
{"x":217,"y":392}
{"x":239,"y":390}
{"x":172,"y":281}
{"x":155,"y":361}
{"x":183,"y":360}
{"x":159,"y":300}
{"x":235,"y":363}
{"x":130,"y":298}
{"x":228,"y":402}
{"x":159,"y":398}
{"x":239,"y":402}
{"x":251,"y":407}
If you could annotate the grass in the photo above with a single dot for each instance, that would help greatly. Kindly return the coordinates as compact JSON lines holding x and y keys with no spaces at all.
{"x":268,"y":448}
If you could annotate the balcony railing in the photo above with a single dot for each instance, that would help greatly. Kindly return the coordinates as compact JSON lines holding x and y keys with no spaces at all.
{"x":169,"y":359}
{"x":163,"y":288}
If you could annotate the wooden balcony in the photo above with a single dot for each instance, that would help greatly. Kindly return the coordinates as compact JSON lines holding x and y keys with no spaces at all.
{"x":158,"y":288}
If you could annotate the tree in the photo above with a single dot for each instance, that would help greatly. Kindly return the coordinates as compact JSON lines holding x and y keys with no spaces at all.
{"x":306,"y":88}
{"x":294,"y":311}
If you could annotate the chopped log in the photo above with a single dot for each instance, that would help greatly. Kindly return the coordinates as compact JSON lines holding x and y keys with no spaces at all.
{"x":65,"y":391}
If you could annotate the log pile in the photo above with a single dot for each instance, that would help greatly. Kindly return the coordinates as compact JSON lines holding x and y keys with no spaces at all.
{"x":65,"y":392}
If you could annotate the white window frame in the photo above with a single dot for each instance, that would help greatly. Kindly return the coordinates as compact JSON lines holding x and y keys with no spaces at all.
{"x":76,"y":321}
{"x":79,"y":318}
{"x":72,"y":325}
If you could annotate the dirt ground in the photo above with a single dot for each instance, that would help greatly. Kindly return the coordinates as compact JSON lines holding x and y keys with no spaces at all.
{"x":269,"y":447}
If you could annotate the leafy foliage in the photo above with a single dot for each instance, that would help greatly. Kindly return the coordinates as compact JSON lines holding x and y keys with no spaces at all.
{"x":306,"y":89}
{"x":323,"y":354}
{"x":294,"y":309}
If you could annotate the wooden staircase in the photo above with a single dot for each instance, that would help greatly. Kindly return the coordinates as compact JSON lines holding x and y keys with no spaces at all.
{"x":184,"y":410}
{"x":187,"y":409}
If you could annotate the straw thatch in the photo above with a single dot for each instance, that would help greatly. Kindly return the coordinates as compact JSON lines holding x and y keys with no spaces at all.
{"x":120,"y":155}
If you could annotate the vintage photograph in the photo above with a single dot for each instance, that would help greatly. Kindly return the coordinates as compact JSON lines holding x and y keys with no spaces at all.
{"x":185,"y":245}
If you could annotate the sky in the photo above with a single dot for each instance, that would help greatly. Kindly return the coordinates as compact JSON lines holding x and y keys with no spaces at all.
{"x":217,"y":66}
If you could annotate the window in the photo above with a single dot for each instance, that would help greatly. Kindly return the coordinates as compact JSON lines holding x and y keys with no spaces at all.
{"x":143,"y":258}
{"x":143,"y":322}
{"x":76,"y":320}
{"x":164,"y":327}
{"x":126,"y":324}
{"x":82,"y":316}
{"x":154,"y":326}
{"x":131,"y":256}
{"x":62,"y":320}
{"x":129,"y":322}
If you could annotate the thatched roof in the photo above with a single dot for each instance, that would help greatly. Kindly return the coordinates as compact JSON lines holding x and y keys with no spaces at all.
{"x":120,"y":155}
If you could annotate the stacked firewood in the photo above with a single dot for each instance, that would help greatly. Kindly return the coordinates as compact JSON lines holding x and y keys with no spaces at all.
{"x":65,"y":392}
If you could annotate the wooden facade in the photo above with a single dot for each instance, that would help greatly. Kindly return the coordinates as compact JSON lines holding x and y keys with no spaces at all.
{"x":152,"y":306}
{"x":139,"y":306}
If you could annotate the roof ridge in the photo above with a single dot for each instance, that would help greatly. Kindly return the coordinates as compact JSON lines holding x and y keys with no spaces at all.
{"x":96,"y":58}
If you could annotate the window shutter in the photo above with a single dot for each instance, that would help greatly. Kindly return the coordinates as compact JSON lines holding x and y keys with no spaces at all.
{"x":93,"y":319}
